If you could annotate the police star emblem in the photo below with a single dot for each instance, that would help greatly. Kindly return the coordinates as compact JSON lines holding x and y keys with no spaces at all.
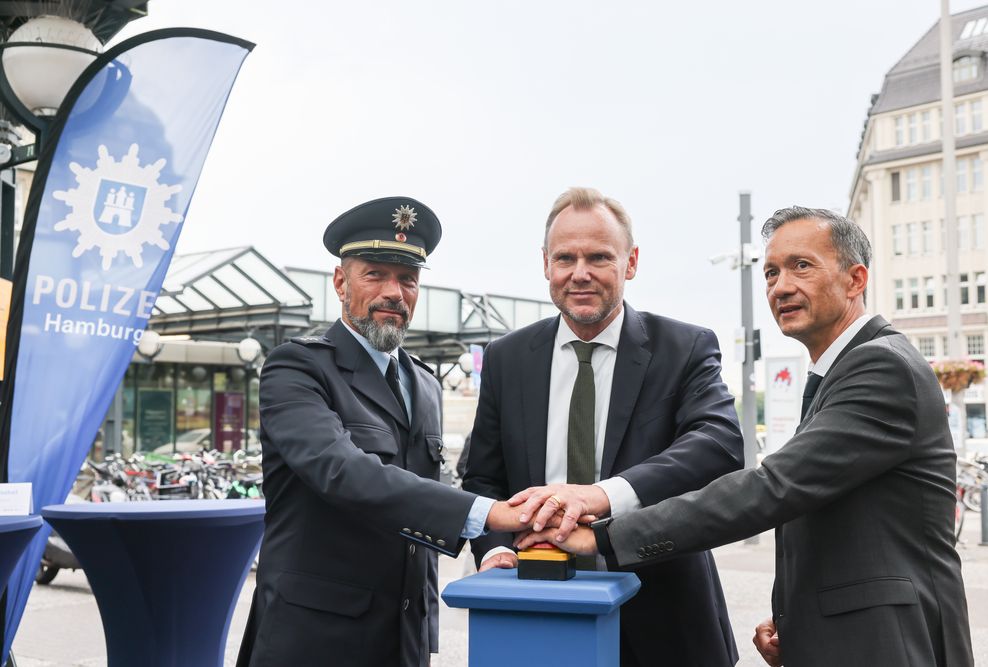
{"x":404,"y":217}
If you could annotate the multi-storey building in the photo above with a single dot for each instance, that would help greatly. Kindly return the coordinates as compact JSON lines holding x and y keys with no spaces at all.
{"x":897,"y":198}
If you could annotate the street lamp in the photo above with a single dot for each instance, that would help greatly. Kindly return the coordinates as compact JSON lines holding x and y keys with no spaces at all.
{"x":150,"y":345}
{"x":249,"y":350}
{"x":41,"y":60}
{"x":465,"y":362}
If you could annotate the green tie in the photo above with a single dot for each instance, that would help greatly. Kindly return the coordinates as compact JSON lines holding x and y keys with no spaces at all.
{"x":580,"y":440}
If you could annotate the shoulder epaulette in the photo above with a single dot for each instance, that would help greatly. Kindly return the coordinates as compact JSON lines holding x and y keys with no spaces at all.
{"x":310,"y":340}
{"x":424,"y":365}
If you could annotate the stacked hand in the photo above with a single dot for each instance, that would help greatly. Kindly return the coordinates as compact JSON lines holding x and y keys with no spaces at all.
{"x":552,"y":514}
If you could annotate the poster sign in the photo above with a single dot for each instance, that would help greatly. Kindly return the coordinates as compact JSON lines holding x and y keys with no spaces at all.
{"x":784,"y":379}
{"x":155,"y":408}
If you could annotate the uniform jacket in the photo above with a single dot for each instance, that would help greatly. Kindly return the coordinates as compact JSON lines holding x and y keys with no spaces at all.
{"x":863,"y":497}
{"x":671,"y":428}
{"x":347,"y":571}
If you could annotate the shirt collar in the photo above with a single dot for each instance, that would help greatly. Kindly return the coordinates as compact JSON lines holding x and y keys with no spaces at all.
{"x":380,"y":358}
{"x":609,"y":336}
{"x":827,"y":359}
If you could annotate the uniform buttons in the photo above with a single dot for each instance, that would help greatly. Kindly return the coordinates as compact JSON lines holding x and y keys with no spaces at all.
{"x":641,"y":552}
{"x":670,"y":546}
{"x":428,"y":537}
{"x":418,"y":534}
{"x":404,"y":605}
{"x":441,"y":543}
{"x":411,"y":549}
{"x":407,"y":530}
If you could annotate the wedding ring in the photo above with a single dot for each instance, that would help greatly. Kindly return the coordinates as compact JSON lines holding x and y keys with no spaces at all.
{"x":559,"y":501}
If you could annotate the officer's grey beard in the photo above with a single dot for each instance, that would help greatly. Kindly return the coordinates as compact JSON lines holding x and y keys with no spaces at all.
{"x":384,"y":336}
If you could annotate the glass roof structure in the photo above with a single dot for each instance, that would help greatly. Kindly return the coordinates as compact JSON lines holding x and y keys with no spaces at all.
{"x":228,"y":294}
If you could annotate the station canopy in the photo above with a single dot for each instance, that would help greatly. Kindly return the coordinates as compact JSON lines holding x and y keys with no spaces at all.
{"x":228,"y":294}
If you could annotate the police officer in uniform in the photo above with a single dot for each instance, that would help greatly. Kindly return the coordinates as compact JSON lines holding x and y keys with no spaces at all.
{"x":352,"y":439}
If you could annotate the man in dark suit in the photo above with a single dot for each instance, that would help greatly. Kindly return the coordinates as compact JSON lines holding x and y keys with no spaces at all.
{"x":862,"y":497}
{"x":630,"y":401}
{"x":352,"y":440}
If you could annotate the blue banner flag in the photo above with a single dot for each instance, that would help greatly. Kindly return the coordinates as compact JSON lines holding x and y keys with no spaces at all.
{"x":118,"y":169}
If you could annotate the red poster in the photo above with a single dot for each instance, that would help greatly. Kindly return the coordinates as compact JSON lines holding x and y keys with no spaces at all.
{"x":228,"y":421}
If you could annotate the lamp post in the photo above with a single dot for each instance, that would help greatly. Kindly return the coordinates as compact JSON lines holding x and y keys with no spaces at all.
{"x":41,"y":60}
{"x":248,"y":349}
{"x":150,"y":345}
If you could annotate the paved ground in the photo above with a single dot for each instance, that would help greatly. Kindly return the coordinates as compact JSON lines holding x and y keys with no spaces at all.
{"x":62,"y":628}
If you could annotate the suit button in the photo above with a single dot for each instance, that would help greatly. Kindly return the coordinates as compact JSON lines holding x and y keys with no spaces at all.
{"x":418,"y":534}
{"x":441,"y":543}
{"x":411,"y":549}
{"x":670,"y":546}
{"x":641,"y":552}
{"x":404,"y":605}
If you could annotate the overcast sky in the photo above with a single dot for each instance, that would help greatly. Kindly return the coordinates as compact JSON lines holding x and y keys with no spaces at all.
{"x":486,"y":111}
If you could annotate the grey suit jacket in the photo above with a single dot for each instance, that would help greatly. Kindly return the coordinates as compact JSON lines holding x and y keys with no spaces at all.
{"x":347,"y":570}
{"x":863,"y":500}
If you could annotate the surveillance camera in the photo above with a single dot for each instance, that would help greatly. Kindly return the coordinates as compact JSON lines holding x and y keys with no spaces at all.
{"x":5,"y":154}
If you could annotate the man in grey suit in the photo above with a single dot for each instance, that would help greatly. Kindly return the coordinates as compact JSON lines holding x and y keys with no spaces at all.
{"x":862,"y":497}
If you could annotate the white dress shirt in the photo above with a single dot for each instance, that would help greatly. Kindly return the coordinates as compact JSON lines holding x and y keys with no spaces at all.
{"x":481,"y":507}
{"x":827,"y":359}
{"x":562,"y":378}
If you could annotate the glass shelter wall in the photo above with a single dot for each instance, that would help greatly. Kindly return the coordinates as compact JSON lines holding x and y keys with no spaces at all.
{"x":169,"y":408}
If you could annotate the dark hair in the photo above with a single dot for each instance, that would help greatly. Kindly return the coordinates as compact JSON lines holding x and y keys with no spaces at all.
{"x":848,"y":239}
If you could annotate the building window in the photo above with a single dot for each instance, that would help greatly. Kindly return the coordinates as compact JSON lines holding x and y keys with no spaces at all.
{"x":974,"y":27}
{"x":895,"y":186}
{"x":965,"y":289}
{"x":913,"y":128}
{"x":926,"y":182}
{"x":960,"y":119}
{"x":946,"y":346}
{"x":927,"y":346}
{"x":965,"y":69}
{"x":977,"y":178}
{"x":963,"y":233}
{"x":961,"y":176}
{"x":912,"y":238}
{"x":979,"y":286}
{"x":978,"y":231}
{"x":899,"y":296}
{"x":910,"y":185}
{"x":976,"y":120}
{"x":924,"y":126}
{"x":927,"y":237}
{"x":896,"y":239}
{"x":900,"y":135}
{"x":930,"y":287}
{"x":914,"y":293}
{"x":976,"y":345}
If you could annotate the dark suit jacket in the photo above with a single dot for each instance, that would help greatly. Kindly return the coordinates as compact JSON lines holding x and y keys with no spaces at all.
{"x":347,"y":571}
{"x":863,"y":497}
{"x":671,"y":428}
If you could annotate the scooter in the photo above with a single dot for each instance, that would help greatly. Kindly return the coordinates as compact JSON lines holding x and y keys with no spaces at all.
{"x":57,"y":556}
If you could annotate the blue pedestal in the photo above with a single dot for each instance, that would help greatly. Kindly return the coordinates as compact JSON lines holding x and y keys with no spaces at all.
{"x":572,"y":623}
{"x":15,"y":534}
{"x":166,"y":575}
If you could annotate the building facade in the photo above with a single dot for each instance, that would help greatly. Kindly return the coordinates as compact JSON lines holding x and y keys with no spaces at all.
{"x":897,"y":196}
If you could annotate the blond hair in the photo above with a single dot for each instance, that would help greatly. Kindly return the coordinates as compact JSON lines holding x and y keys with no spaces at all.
{"x":583,"y":199}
